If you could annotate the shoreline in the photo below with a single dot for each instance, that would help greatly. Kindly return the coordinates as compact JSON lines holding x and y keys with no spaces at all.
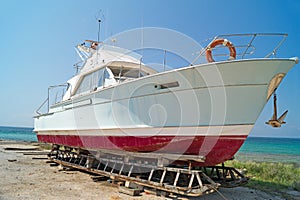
{"x":23,"y":177}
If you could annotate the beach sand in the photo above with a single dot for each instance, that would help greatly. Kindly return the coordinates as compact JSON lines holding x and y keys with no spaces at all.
{"x":22,"y":177}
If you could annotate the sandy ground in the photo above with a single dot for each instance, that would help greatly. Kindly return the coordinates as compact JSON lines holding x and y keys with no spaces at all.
{"x":22,"y":177}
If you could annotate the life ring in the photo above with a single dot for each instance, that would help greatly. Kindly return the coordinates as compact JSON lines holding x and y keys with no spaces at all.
{"x":223,"y":42}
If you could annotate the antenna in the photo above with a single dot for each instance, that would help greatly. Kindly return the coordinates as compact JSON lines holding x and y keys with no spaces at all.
{"x":100,"y":18}
{"x":98,"y":38}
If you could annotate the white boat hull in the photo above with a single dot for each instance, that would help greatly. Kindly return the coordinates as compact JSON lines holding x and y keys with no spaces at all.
{"x":198,"y":110}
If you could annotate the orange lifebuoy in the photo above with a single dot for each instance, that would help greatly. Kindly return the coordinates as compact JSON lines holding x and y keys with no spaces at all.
{"x":223,"y":42}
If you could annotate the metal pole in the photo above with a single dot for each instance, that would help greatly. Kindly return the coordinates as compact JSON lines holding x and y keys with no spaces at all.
{"x":140,"y":67}
{"x":103,"y":76}
{"x":98,"y":38}
{"x":48,"y":99}
{"x":249,"y":44}
{"x":165,"y":52}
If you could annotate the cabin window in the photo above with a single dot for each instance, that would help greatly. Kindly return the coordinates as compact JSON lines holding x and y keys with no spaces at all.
{"x":127,"y":72}
{"x":92,"y":81}
{"x":134,"y":73}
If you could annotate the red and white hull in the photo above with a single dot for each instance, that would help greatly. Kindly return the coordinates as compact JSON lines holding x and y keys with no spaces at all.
{"x":209,"y":112}
{"x":215,"y":144}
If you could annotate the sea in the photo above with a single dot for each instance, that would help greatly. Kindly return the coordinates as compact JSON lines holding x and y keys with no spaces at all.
{"x":259,"y":149}
{"x":268,"y":149}
{"x":17,"y":133}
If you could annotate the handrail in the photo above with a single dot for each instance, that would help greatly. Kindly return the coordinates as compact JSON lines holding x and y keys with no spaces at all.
{"x":248,"y":45}
{"x":39,"y":108}
{"x":237,"y":46}
{"x":47,"y":101}
{"x":277,"y":47}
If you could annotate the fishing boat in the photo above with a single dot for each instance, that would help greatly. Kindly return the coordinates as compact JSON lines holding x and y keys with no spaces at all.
{"x":201,"y":113}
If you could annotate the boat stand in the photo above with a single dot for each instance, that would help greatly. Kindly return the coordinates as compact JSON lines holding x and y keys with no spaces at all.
{"x":153,"y":172}
{"x":226,"y":176}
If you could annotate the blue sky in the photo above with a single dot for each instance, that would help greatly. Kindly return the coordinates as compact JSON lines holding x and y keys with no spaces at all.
{"x":37,"y":40}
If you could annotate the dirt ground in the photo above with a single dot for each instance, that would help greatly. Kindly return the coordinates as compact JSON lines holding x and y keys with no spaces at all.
{"x":22,"y":177}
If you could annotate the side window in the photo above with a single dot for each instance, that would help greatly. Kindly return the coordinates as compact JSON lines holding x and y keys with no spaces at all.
{"x":85,"y":84}
{"x":98,"y":78}
{"x":91,"y":81}
{"x":106,"y":74}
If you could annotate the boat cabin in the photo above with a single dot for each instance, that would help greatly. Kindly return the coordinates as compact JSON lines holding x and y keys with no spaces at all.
{"x":111,"y":72}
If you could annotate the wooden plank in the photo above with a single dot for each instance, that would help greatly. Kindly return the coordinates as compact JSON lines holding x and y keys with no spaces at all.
{"x":99,"y":178}
{"x":129,"y":191}
{"x":34,"y":153}
{"x":39,"y":158}
{"x":20,"y":148}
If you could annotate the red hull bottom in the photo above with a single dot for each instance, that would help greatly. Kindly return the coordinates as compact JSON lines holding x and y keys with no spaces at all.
{"x":216,"y":149}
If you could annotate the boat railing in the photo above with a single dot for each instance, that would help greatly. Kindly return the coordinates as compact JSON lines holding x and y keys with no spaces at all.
{"x":246,"y":46}
{"x":55,"y":95}
{"x":259,"y":45}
